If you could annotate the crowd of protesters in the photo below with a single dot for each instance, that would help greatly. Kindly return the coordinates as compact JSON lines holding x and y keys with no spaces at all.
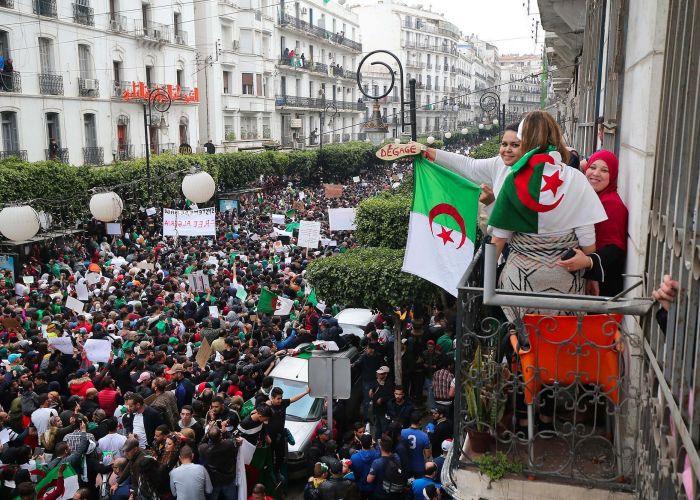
{"x":151,"y":422}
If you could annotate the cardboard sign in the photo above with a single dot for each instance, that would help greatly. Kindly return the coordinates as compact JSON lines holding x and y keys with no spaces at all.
{"x":74,"y":304}
{"x":391,"y":152}
{"x":151,"y":211}
{"x":82,"y":290}
{"x":298,"y":205}
{"x":333,"y":190}
{"x":28,"y":280}
{"x":341,"y":219}
{"x":277,"y":218}
{"x":114,"y":228}
{"x":63,"y":344}
{"x":203,"y":354}
{"x":98,"y":350}
{"x":309,"y":234}
{"x":213,"y":311}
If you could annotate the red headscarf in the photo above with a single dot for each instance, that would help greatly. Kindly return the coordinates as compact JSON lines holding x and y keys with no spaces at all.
{"x":612,"y":231}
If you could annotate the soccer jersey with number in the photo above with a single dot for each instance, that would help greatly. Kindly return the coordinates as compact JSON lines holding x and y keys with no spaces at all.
{"x":418,"y":441}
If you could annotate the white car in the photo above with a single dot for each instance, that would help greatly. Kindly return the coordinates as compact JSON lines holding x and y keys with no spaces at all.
{"x":354,"y":320}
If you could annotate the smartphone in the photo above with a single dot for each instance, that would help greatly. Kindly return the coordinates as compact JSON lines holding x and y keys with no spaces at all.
{"x":568,"y":254}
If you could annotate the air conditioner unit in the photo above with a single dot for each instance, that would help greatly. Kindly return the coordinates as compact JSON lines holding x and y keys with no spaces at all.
{"x":89,"y":84}
{"x":115,"y":25}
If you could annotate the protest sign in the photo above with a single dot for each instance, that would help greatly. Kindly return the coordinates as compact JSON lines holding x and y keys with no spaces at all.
{"x":309,"y":234}
{"x":151,"y":211}
{"x":74,"y":304}
{"x":302,"y":195}
{"x":341,"y":219}
{"x":28,"y":280}
{"x":189,"y":222}
{"x":214,"y":311}
{"x":392,"y":151}
{"x":92,"y":278}
{"x":114,"y":228}
{"x":82,"y":290}
{"x":98,"y":350}
{"x":63,"y":344}
{"x":333,"y":190}
{"x":278,"y":218}
{"x":356,"y":179}
{"x":203,"y":354}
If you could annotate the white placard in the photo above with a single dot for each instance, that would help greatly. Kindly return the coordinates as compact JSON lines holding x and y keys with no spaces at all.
{"x":113,"y":228}
{"x":151,"y":211}
{"x":333,"y":243}
{"x":341,"y":219}
{"x":146,"y":266}
{"x":213,"y":311}
{"x":189,"y":222}
{"x":302,"y":195}
{"x":255,"y":237}
{"x":356,"y":179}
{"x":92,"y":278}
{"x":74,"y":304}
{"x":98,"y":350}
{"x":82,"y":290}
{"x":213,"y":260}
{"x":63,"y":344}
{"x":325,"y":242}
{"x":309,"y":234}
{"x":28,"y":280}
{"x":277,"y":219}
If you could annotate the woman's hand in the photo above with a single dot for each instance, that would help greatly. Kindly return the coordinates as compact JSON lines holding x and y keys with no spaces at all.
{"x":577,"y":262}
{"x":592,"y":288}
{"x":486,"y":197}
{"x":429,"y":153}
{"x":666,"y":293}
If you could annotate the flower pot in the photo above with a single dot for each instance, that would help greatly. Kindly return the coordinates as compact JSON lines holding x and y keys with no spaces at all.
{"x":479,"y":442}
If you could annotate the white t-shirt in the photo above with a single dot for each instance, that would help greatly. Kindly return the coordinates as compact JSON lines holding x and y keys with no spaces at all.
{"x":112,"y":445}
{"x":140,"y":430}
{"x":40,"y":419}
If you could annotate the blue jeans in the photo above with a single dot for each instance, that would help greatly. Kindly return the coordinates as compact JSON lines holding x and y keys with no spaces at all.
{"x":428,"y":386}
{"x":228,"y":491}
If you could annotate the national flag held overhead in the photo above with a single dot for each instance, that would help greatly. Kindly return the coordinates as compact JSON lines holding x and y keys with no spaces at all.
{"x":442,"y":225}
{"x":50,"y":483}
{"x":273,"y":304}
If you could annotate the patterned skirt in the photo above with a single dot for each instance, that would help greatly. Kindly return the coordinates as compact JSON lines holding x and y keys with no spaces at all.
{"x":531,"y":268}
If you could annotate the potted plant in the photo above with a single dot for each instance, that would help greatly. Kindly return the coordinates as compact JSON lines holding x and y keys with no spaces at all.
{"x":230,"y":136}
{"x":486,"y":401}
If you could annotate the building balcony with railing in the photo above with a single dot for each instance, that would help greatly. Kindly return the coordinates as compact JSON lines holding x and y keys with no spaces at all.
{"x":160,"y":148}
{"x":83,"y":14}
{"x":93,"y":155}
{"x":88,"y":87}
{"x":150,"y":30}
{"x":8,"y":4}
{"x":124,"y":152}
{"x":429,"y":65}
{"x":11,"y":82}
{"x":288,"y":101}
{"x":118,"y":23}
{"x":180,"y":37}
{"x":20,"y":154}
{"x":551,"y":381}
{"x":50,"y":84}
{"x":287,"y":21}
{"x":60,"y":155}
{"x":46,"y":8}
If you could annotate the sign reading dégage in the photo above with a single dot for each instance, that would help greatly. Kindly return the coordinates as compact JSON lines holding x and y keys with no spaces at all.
{"x":391,"y":152}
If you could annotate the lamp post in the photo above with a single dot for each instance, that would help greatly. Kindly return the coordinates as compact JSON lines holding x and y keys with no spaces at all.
{"x":491,"y":102}
{"x":326,"y":108}
{"x":159,"y":99}
{"x":372,"y":127}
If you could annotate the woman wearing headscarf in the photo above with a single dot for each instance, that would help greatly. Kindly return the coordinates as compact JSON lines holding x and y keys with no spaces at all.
{"x":606,"y":265}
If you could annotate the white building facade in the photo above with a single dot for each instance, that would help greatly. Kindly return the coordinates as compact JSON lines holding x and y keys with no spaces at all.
{"x":81,"y":72}
{"x":521,"y":84}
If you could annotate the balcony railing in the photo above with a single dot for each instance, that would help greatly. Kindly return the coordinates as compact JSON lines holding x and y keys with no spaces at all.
{"x":118,"y":88}
{"x":83,"y":14}
{"x":154,"y":31}
{"x":61,"y":155}
{"x":93,"y":156}
{"x":8,"y":4}
{"x":124,"y":152}
{"x":180,"y":37}
{"x":20,"y":154}
{"x":314,"y":103}
{"x":429,"y":65}
{"x":414,"y":64}
{"x":301,"y":25}
{"x":556,"y":407}
{"x":45,"y":8}
{"x":50,"y":84}
{"x":10,"y":82}
{"x":88,"y":87}
{"x":118,"y":23}
{"x":346,"y":137}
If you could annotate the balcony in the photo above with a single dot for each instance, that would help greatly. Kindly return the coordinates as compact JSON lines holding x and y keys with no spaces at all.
{"x":156,"y":32}
{"x":46,"y":8}
{"x":11,"y":82}
{"x":119,"y":87}
{"x":285,"y":20}
{"x":117,"y":23}
{"x":566,"y":405}
{"x":124,"y":152}
{"x":414,"y":64}
{"x":60,"y":156}
{"x":8,"y":4}
{"x":429,"y":65}
{"x":88,"y":87}
{"x":93,"y":156}
{"x":313,"y":103}
{"x":180,"y":37}
{"x":83,"y":14}
{"x":20,"y":154}
{"x":50,"y":84}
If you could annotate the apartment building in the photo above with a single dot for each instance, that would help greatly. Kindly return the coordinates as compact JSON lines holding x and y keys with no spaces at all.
{"x":81,"y":72}
{"x":520,"y":89}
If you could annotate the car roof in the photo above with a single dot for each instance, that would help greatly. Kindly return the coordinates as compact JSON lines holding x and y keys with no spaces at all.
{"x":355,"y":316}
{"x":297,"y":368}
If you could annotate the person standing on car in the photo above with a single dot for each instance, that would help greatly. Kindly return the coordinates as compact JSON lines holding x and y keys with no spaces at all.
{"x":275,"y":426}
{"x":381,"y":393}
{"x":369,"y":362}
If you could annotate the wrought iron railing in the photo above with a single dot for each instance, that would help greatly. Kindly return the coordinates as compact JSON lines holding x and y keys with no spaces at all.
{"x":118,"y":23}
{"x":154,"y":31}
{"x":124,"y":152}
{"x":60,"y":155}
{"x":10,"y":82}
{"x":20,"y":154}
{"x":88,"y":87}
{"x":93,"y":156}
{"x":346,"y":137}
{"x":50,"y":84}
{"x":181,"y":37}
{"x":83,"y":14}
{"x":45,"y":8}
{"x":158,"y":149}
{"x":8,"y":4}
{"x":315,"y":103}
{"x":301,"y":25}
{"x":564,"y":402}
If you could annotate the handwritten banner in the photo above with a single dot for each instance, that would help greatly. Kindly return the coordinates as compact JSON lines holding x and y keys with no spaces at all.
{"x":391,"y":152}
{"x":189,"y":222}
{"x":333,"y":190}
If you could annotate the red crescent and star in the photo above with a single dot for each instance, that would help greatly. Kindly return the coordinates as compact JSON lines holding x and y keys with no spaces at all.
{"x":446,"y":234}
{"x":552,"y":183}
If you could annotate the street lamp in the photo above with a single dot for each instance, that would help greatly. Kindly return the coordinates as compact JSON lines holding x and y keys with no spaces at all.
{"x":448,"y":135}
{"x":327,"y":107}
{"x":465,"y":131}
{"x":376,"y":128}
{"x":491,"y":102}
{"x":159,"y":99}
{"x":375,"y":108}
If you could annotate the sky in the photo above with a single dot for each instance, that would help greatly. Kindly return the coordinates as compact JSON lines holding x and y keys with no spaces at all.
{"x":504,"y":23}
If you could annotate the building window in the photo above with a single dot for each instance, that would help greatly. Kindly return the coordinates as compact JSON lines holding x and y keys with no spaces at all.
{"x":85,"y":61}
{"x":53,"y":127}
{"x":247,"y":83}
{"x":10,"y":132}
{"x":259,"y":85}
{"x":180,"y":77}
{"x":90,"y":130}
{"x":149,"y":75}
{"x":46,"y":55}
{"x":227,"y":82}
{"x":146,"y":15}
{"x":117,"y":71}
{"x":4,"y":44}
{"x":246,"y":41}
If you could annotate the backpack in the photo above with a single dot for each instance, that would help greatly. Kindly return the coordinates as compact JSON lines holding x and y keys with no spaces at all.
{"x":394,"y":478}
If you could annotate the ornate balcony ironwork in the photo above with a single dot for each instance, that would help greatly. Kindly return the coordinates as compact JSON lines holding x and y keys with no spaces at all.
{"x":93,"y":156}
{"x":10,"y":82}
{"x":83,"y":14}
{"x":50,"y":84}
{"x":124,"y":152}
{"x":118,"y":23}
{"x":20,"y":154}
{"x":88,"y":87}
{"x":45,"y":8}
{"x":154,"y":31}
{"x":8,"y":4}
{"x":313,"y":103}
{"x":61,"y":155}
{"x":285,"y":20}
{"x":180,"y":37}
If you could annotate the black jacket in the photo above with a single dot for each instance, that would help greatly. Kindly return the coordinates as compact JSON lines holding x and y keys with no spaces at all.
{"x":335,"y":488}
{"x":151,"y":420}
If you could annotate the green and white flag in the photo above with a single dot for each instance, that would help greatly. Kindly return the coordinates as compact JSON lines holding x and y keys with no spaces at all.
{"x":51,"y":482}
{"x":442,"y":225}
{"x":312,"y":299}
{"x":273,"y":304}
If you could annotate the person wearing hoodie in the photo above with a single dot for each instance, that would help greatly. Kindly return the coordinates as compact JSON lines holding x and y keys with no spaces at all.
{"x":361,"y":464}
{"x":80,"y":384}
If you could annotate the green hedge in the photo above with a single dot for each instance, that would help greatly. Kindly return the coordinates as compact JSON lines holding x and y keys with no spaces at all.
{"x":487,"y":149}
{"x":368,"y":277}
{"x":56,"y":183}
{"x":382,"y":221}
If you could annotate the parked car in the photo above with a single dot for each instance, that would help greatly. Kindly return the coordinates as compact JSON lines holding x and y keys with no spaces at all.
{"x":354,"y":320}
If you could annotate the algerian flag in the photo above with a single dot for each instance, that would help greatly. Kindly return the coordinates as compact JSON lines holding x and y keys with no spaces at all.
{"x":541,"y":195}
{"x":271,"y":303}
{"x":442,"y":225}
{"x":311,"y":299}
{"x":241,"y":293}
{"x":290,"y":213}
{"x":50,"y":482}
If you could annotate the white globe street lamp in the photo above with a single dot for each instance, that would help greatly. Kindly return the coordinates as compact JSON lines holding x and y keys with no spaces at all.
{"x":19,"y":223}
{"x":397,"y":141}
{"x":106,"y":207}
{"x":431,"y":139}
{"x":198,"y":187}
{"x":481,"y":126}
{"x":465,"y":131}
{"x":448,"y":135}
